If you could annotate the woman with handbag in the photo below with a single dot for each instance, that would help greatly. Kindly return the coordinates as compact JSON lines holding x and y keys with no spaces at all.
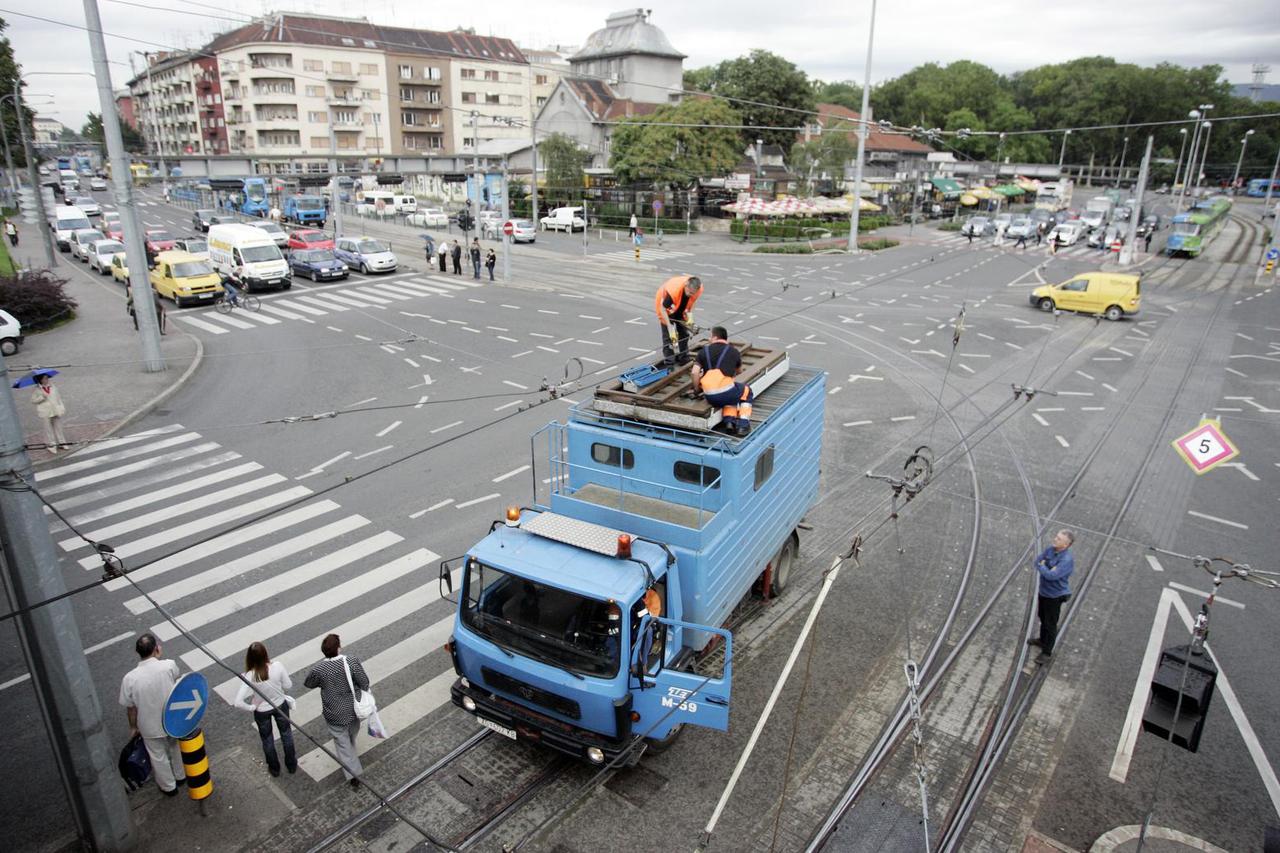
{"x":344,"y":693}
{"x":272,"y":680}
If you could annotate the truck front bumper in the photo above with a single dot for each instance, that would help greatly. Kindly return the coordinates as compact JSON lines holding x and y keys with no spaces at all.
{"x":508,"y":718}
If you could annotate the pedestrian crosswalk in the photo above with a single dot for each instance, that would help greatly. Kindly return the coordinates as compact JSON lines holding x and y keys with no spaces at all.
{"x":182,"y":513}
{"x":1079,"y":250}
{"x":648,"y":254}
{"x":306,"y":306}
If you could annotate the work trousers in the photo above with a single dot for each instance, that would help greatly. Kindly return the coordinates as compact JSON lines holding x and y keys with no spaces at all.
{"x":263,"y":719}
{"x":344,"y":742}
{"x":735,"y":402}
{"x":166,"y":762}
{"x":668,"y":352}
{"x":53,"y":435}
{"x":1048,"y":610}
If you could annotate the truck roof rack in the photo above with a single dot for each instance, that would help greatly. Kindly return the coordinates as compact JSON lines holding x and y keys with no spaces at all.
{"x":665,"y":397}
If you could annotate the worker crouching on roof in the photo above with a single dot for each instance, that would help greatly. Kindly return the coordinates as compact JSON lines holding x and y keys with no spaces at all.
{"x":713,"y":373}
{"x":674,"y":304}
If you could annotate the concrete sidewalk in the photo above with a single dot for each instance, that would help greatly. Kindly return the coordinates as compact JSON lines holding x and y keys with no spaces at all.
{"x":98,"y":357}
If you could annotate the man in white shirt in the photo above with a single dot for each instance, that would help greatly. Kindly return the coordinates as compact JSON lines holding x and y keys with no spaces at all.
{"x":143,"y":692}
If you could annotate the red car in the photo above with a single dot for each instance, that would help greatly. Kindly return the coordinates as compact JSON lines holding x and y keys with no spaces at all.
{"x":114,"y":231}
{"x":158,"y":241}
{"x":309,"y":239}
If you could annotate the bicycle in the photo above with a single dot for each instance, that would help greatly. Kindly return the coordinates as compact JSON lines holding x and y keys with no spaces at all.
{"x":243,"y":300}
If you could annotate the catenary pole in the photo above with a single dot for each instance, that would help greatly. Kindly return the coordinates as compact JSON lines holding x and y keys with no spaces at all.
{"x":50,"y":638}
{"x":1204,"y":157}
{"x":134,"y":250}
{"x":1182,"y":149}
{"x":1266,"y":202}
{"x":506,"y":217}
{"x":533,"y":154}
{"x":33,"y":175}
{"x":335,"y":187}
{"x":8,"y":156}
{"x":1191,"y":160}
{"x":863,"y":129}
{"x":1130,"y":243}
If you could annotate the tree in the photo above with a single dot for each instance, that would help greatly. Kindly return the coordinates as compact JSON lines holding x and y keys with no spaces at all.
{"x":846,"y":93}
{"x":767,"y":90}
{"x":92,"y":131}
{"x":564,"y":161}
{"x":668,"y":147}
{"x":822,"y":157}
{"x":10,"y":74}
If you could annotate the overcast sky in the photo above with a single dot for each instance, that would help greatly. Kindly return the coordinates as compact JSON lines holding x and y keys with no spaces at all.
{"x":827,"y":39}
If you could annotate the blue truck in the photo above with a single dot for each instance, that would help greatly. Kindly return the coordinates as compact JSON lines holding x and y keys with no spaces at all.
{"x":304,"y":210}
{"x":588,"y":621}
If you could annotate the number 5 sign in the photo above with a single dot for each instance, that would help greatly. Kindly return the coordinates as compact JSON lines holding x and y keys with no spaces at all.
{"x":1205,"y":447}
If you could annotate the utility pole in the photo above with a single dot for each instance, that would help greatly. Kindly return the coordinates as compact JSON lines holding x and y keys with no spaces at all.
{"x":54,"y":653}
{"x":1244,"y":143}
{"x":475,"y":175}
{"x":33,"y":175}
{"x":335,"y":188}
{"x":1124,"y":152}
{"x":1062,"y":152}
{"x":135,"y":251}
{"x":1130,"y":243}
{"x":1208,"y":134}
{"x":863,"y":130}
{"x":1266,"y":202}
{"x":8,"y":157}
{"x":533,"y":153}
{"x":506,"y":217}
{"x":1177,"y":170}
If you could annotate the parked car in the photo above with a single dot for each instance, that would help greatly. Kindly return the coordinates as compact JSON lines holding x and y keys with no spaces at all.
{"x":306,"y":238}
{"x":97,"y":185}
{"x":564,"y":219}
{"x":1112,"y":295}
{"x":197,"y":246}
{"x":81,"y":241}
{"x":317,"y":264}
{"x":203,"y":218}
{"x":978,"y":226}
{"x":11,"y":337}
{"x":185,"y":278}
{"x":157,"y":241}
{"x":366,"y":254}
{"x":119,"y":271}
{"x":278,"y":234}
{"x":523,"y":231}
{"x":88,"y":205}
{"x":429,"y":217}
{"x":100,"y":254}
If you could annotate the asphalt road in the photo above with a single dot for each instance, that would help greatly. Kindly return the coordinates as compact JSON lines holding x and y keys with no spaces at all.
{"x":379,"y":425}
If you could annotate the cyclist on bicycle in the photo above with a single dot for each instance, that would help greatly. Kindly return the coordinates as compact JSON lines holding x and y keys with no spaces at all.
{"x":232,"y":295}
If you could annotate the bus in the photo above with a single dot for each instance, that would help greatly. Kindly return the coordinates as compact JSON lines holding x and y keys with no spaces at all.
{"x":1258,"y":187}
{"x":1192,"y":230}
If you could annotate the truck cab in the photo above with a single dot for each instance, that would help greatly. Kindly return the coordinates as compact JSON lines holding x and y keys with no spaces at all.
{"x":304,"y":210}
{"x":593,"y":622}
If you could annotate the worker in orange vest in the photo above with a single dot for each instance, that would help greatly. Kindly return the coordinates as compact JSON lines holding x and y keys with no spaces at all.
{"x":713,"y":374}
{"x":674,"y":305}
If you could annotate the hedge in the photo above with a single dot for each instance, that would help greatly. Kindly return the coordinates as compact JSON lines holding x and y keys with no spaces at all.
{"x":951,"y":226}
{"x":806,"y":248}
{"x":36,"y":299}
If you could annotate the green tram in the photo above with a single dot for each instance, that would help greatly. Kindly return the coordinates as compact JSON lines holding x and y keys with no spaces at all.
{"x":1192,"y":230}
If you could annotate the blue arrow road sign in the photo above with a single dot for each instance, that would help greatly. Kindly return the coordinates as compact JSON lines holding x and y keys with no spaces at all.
{"x":185,"y":705}
{"x":1273,"y":253}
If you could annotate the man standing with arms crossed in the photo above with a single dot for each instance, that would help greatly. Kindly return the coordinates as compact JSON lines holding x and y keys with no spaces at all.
{"x":674,"y":303}
{"x":1055,"y":565}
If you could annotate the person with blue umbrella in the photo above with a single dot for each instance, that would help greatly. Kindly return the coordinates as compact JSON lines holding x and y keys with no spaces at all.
{"x":49,"y":407}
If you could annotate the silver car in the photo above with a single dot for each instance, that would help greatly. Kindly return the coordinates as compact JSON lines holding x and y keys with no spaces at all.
{"x":978,"y":226}
{"x":278,"y":234}
{"x":100,"y":254}
{"x":1022,"y":226}
{"x":88,"y":205}
{"x":81,"y":241}
{"x":365,"y":254}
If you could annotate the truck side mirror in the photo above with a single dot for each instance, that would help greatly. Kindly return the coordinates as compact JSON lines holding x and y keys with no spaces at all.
{"x":446,"y":581}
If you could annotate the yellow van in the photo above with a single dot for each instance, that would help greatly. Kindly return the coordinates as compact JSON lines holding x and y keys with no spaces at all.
{"x":1112,"y":295}
{"x":185,"y":278}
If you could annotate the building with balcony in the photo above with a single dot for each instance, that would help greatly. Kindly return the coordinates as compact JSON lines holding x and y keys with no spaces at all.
{"x":177,"y":105}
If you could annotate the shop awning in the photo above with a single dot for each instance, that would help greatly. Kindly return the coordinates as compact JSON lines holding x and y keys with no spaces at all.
{"x":946,"y":186}
{"x":968,"y":200}
{"x":1010,"y":190}
{"x":984,"y":193}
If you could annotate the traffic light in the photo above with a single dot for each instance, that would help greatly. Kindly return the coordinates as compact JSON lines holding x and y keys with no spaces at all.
{"x":454,"y":178}
{"x":465,"y":220}
{"x":313,"y":180}
{"x":385,"y":180}
{"x":1191,"y":677}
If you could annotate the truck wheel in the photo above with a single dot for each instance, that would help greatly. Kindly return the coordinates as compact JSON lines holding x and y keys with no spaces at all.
{"x":1114,"y":313}
{"x":657,"y":747}
{"x":782,"y":566}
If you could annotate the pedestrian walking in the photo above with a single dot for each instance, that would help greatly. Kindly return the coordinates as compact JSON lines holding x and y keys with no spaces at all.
{"x":674,"y":303}
{"x":1146,"y":242}
{"x":1022,"y":241}
{"x":475,"y":258}
{"x":1053,"y":243}
{"x":968,"y":232}
{"x":338,"y":702}
{"x":143,"y":693}
{"x":1039,"y":232}
{"x":272,"y":682}
{"x":443,"y":253}
{"x":11,"y":231}
{"x":456,"y":252}
{"x":635,"y":223}
{"x":491,"y":261}
{"x":1054,"y":565}
{"x":49,"y":407}
{"x":274,"y":214}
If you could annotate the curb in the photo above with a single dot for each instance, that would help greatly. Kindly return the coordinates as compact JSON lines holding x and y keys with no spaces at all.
{"x":1113,"y":839}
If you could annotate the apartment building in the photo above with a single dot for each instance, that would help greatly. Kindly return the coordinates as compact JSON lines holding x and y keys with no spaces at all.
{"x":177,"y":102}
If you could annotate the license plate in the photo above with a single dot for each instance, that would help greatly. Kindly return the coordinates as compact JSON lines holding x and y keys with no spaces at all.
{"x":204,"y":296}
{"x":492,"y":726}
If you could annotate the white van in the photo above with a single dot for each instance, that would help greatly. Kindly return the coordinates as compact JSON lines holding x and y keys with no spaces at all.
{"x":249,"y":256}
{"x":67,"y":220}
{"x":10,"y":334}
{"x":564,"y":219}
{"x":406,"y":204}
{"x":376,"y":203}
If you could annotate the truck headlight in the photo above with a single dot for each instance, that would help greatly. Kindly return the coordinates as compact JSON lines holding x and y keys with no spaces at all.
{"x":595,"y":755}
{"x":469,"y":704}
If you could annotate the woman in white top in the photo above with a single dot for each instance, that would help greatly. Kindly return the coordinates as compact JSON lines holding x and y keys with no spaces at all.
{"x":271,"y":678}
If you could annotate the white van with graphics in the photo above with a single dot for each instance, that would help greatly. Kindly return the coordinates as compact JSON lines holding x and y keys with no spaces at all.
{"x":249,"y":256}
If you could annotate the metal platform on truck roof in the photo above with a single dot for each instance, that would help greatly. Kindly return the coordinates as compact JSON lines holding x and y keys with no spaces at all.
{"x":669,"y":401}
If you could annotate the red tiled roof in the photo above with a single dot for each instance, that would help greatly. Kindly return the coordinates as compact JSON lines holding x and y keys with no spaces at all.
{"x":601,"y":101}
{"x":834,"y":115}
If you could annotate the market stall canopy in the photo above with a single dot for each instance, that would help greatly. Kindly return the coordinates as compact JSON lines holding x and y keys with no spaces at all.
{"x":1029,"y":184}
{"x":983,"y":193}
{"x":796,"y":206}
{"x":946,"y":186}
{"x":968,"y":200}
{"x":1010,"y":190}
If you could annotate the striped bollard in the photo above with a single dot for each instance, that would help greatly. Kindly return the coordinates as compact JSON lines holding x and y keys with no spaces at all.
{"x":196,"y":763}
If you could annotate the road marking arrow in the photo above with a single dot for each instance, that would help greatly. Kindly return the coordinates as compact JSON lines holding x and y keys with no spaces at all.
{"x":195,"y":704}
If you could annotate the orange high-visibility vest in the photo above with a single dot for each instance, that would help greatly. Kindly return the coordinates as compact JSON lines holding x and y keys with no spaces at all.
{"x":671,"y":300}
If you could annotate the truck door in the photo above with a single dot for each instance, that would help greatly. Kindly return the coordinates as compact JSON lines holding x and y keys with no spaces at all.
{"x":674,"y":696}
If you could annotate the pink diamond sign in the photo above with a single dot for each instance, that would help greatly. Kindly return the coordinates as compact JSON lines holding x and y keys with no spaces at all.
{"x":1205,"y":447}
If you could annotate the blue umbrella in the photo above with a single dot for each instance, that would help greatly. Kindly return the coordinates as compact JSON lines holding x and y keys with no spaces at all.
{"x":30,"y":379}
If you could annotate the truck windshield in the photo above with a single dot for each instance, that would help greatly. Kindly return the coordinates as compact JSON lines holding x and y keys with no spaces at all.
{"x":309,"y":202}
{"x":549,"y":624}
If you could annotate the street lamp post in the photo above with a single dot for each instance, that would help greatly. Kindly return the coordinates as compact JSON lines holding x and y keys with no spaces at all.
{"x":1244,"y":143}
{"x":863,"y":129}
{"x":1204,"y":157}
{"x":1177,"y":170}
{"x":1195,"y":115}
{"x":1124,"y":152}
{"x":1062,"y":152}
{"x":33,"y":175}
